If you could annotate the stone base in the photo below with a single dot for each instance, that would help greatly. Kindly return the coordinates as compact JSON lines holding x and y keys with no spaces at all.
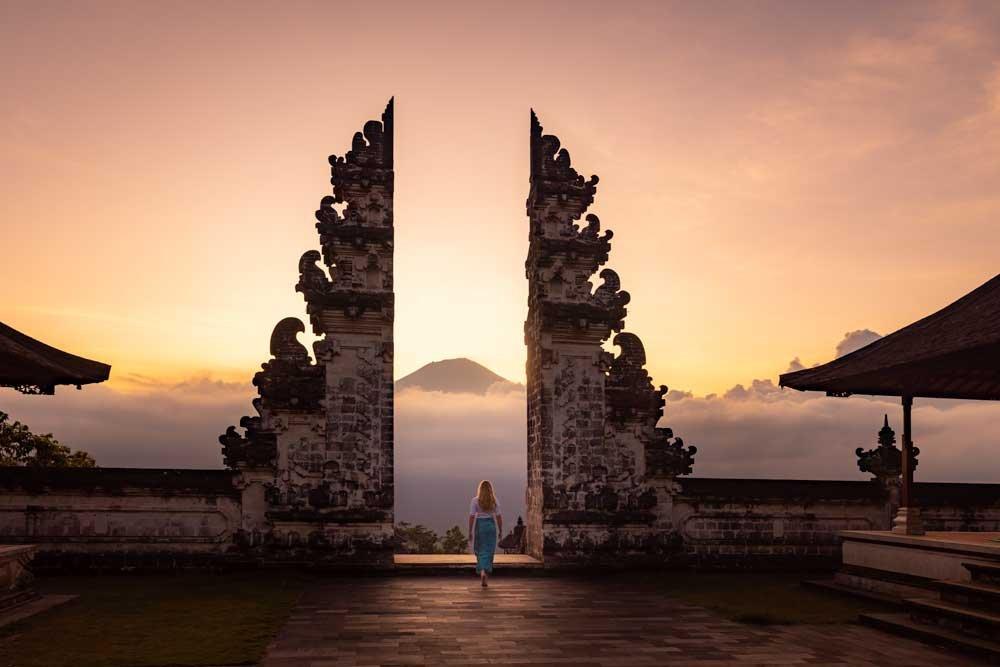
{"x":909,"y":559}
{"x":907,"y":521}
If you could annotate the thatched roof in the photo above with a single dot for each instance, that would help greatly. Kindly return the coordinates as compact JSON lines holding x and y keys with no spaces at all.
{"x":954,"y":353}
{"x":33,"y":367}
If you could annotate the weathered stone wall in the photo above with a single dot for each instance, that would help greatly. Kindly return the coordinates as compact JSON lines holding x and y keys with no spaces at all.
{"x":137,"y":519}
{"x":115,"y":518}
{"x":769,"y":523}
{"x":959,"y":507}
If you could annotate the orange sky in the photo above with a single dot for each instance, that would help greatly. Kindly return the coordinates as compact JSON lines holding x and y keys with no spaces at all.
{"x":776,"y":174}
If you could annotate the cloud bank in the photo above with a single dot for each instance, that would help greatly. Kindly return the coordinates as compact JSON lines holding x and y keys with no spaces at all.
{"x":447,"y":442}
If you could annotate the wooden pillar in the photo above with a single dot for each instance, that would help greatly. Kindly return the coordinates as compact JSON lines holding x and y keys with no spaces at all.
{"x":907,"y":519}
{"x":907,"y":470}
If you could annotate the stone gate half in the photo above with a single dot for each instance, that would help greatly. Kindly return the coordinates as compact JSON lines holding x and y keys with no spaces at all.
{"x":318,"y":456}
{"x":600,"y":471}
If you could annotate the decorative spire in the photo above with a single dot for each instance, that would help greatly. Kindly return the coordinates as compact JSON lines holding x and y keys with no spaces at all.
{"x":885,"y":460}
{"x":369,"y":162}
{"x":552,"y":173}
{"x":886,"y":436}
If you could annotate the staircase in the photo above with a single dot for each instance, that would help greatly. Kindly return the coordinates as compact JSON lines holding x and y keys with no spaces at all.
{"x":965,"y":615}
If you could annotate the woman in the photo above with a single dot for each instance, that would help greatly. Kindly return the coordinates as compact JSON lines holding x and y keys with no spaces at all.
{"x":485,"y":523}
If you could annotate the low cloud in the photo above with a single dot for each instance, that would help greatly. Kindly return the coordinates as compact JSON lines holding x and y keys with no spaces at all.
{"x":761,"y":430}
{"x":447,"y":442}
{"x":769,"y":432}
{"x":795,"y":365}
{"x":146,"y":424}
{"x":855,"y":340}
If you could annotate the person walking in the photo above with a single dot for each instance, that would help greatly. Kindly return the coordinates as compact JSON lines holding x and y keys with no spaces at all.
{"x":485,"y":524}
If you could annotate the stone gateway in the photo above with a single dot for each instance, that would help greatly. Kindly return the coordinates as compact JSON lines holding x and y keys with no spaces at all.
{"x":600,"y":471}
{"x":310,"y":474}
{"x":320,"y":450}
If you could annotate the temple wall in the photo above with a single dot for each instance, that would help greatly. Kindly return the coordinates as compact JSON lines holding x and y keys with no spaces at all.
{"x":958,"y":507}
{"x":119,"y":518}
{"x":114,"y":518}
{"x":745,"y":523}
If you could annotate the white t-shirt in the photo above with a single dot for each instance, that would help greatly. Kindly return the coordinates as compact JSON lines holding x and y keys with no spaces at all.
{"x":478,"y":512}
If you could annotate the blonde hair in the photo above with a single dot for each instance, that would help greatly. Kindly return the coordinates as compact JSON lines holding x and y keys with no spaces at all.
{"x":486,"y":497}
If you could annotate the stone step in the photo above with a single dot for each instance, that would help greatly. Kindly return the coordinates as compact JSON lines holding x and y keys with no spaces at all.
{"x":17,"y":598}
{"x":904,"y":626}
{"x":834,"y":586}
{"x":976,"y":595}
{"x":36,"y":605}
{"x":984,"y":573}
{"x":956,"y":617}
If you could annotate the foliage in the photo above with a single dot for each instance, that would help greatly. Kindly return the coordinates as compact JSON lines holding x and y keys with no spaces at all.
{"x":20,"y":447}
{"x":454,"y":541}
{"x":416,"y":539}
{"x":154,"y":620}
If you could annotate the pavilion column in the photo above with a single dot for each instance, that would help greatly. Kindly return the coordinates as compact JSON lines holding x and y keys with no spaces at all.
{"x":907,"y":521}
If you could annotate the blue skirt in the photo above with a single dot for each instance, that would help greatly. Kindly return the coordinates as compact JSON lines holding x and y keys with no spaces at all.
{"x":485,"y":544}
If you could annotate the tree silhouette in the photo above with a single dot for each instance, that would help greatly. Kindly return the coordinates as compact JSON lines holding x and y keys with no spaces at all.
{"x":20,"y":447}
{"x":454,"y":541}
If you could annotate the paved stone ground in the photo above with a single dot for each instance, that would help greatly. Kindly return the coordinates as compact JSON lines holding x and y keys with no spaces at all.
{"x":535,"y":621}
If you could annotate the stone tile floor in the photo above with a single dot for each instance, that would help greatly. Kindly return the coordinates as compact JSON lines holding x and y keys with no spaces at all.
{"x":536,"y":621}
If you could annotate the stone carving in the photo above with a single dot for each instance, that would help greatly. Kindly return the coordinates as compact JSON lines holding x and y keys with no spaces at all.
{"x":599,"y":468}
{"x":290,"y":381}
{"x":885,"y":461}
{"x":322,"y":446}
{"x":253,"y":450}
{"x":313,"y":282}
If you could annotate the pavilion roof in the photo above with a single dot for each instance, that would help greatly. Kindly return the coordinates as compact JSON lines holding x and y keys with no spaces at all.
{"x":33,"y":367}
{"x":954,"y":353}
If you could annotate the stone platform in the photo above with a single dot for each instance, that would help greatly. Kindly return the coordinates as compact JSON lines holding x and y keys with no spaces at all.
{"x":908,"y":565}
{"x":536,"y":621}
{"x":462,"y":561}
{"x":946,"y":585}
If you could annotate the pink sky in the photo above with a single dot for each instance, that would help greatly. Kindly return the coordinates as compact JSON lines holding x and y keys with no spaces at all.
{"x":776,"y":174}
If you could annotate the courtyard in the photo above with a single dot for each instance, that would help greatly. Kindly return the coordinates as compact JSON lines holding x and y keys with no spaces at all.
{"x":279,"y":619}
{"x":615,"y":620}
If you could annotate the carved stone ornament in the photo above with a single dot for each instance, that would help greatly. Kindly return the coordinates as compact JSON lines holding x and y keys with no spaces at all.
{"x":886,"y":460}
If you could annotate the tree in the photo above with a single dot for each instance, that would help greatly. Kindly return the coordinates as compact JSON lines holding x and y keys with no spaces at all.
{"x":416,"y":539}
{"x":20,"y":447}
{"x":454,"y":541}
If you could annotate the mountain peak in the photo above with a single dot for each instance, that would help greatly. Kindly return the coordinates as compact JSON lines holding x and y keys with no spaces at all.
{"x":453,"y":376}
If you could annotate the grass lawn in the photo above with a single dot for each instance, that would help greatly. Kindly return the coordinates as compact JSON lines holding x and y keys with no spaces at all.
{"x":761,"y":598}
{"x":180,"y":619}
